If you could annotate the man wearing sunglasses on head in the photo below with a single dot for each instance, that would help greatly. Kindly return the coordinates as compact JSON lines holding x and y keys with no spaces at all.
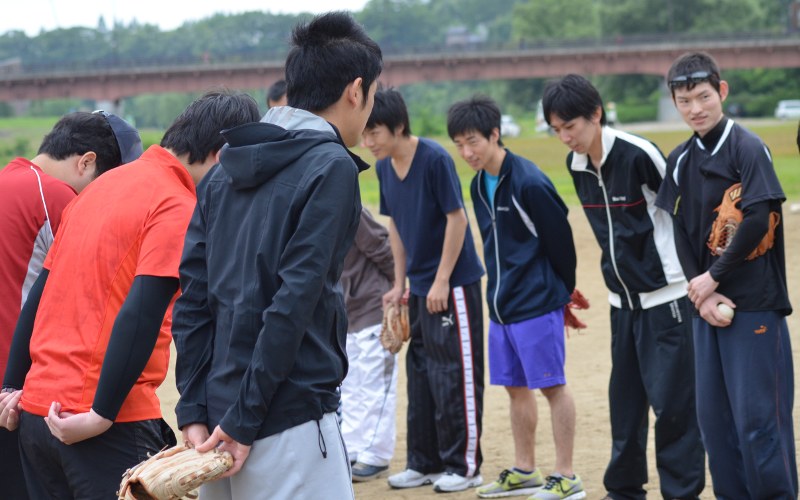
{"x":744,"y":374}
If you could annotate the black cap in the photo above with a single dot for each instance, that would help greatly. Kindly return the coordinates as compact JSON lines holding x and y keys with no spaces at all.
{"x":128,"y":139}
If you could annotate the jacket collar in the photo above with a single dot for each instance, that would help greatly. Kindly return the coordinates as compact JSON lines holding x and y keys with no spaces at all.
{"x":716,"y":137}
{"x":291,"y":118}
{"x":581,"y":161}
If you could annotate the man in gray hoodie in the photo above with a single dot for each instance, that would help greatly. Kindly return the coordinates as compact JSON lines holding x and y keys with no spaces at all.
{"x":260,"y":329}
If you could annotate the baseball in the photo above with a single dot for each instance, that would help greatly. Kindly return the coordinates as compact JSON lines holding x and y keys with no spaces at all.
{"x":725,"y":310}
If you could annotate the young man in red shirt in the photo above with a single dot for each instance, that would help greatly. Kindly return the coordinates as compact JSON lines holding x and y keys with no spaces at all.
{"x":99,"y":348}
{"x":33,"y":193}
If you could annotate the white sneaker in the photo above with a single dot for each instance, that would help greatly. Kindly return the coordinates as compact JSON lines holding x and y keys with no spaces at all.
{"x":453,"y":482}
{"x":411,"y":479}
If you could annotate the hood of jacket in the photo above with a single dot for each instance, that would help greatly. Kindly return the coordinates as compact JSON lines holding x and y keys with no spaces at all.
{"x":255,"y":152}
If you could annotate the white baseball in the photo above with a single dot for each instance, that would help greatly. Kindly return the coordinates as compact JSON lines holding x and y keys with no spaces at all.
{"x":725,"y":310}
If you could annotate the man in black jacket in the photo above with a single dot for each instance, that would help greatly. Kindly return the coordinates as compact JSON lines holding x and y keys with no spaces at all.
{"x":260,"y":329}
{"x":617,"y":176}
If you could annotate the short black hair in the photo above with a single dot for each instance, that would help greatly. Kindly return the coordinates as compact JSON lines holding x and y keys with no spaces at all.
{"x":571,"y":97}
{"x":79,"y":133}
{"x":276,"y":91}
{"x":390,"y":110}
{"x":479,"y":112}
{"x":327,"y":54}
{"x":197,"y":130}
{"x":690,"y":63}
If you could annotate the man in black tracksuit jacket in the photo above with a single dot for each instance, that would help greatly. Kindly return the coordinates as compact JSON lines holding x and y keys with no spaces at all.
{"x":261,"y":326}
{"x":617,"y":176}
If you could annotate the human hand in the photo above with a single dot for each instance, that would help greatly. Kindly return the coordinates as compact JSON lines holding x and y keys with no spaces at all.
{"x":10,"y":409}
{"x":701,"y":287}
{"x":394,"y":295}
{"x":709,"y":312}
{"x":70,"y":428}
{"x":238,"y":451}
{"x":195,"y":433}
{"x":438,"y":296}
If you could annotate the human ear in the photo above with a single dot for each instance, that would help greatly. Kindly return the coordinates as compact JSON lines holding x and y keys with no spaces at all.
{"x":354,"y":92}
{"x":87,"y":164}
{"x":494,"y":137}
{"x":723,"y":90}
{"x":597,"y":115}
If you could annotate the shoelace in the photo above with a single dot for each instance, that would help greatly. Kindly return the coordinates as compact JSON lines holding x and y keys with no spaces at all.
{"x":503,"y":476}
{"x":552,"y":481}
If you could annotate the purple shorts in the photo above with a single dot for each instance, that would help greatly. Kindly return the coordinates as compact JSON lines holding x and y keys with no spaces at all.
{"x":529,"y":353}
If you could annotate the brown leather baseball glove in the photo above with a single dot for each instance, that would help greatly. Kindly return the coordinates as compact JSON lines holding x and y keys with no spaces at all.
{"x":173,"y":473}
{"x":395,"y":329}
{"x":729,"y":216}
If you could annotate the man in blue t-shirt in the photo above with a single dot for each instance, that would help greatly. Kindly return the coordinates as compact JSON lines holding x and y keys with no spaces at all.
{"x":432,"y":245}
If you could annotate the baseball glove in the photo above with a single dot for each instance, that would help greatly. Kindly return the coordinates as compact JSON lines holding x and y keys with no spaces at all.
{"x":173,"y":473}
{"x":395,"y":328}
{"x":729,"y":216}
{"x":578,"y":302}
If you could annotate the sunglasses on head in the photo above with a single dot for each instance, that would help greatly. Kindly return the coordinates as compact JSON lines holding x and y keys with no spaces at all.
{"x":693,"y":79}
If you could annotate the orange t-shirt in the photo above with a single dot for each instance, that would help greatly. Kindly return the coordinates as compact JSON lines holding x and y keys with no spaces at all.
{"x":131,"y":221}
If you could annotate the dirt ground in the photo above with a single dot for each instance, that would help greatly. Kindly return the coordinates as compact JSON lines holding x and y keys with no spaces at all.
{"x":587,"y":369}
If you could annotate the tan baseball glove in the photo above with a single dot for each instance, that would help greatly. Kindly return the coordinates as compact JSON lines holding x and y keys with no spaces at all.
{"x":729,"y":216}
{"x":173,"y":473}
{"x":395,"y":329}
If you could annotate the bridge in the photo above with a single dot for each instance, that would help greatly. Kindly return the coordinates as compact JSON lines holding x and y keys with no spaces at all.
{"x":114,"y":80}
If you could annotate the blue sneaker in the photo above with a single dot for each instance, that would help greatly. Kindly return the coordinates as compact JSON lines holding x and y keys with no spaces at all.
{"x":363,"y":472}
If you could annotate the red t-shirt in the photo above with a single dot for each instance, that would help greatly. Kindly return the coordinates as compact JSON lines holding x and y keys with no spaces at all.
{"x":131,"y":221}
{"x":31,"y":203}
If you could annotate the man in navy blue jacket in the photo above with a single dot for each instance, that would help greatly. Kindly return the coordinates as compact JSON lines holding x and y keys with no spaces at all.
{"x":530,"y":261}
{"x":261,"y":326}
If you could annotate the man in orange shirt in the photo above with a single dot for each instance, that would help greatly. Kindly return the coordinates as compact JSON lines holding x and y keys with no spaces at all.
{"x":99,"y":347}
{"x":33,"y":194}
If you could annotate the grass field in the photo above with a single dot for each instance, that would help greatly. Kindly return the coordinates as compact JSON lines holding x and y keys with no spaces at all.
{"x":21,"y":136}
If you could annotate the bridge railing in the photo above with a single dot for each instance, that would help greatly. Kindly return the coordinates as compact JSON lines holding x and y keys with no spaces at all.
{"x":277,"y":57}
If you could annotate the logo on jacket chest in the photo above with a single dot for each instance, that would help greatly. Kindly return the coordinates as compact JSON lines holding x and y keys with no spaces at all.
{"x":502,"y":209}
{"x":618,"y":198}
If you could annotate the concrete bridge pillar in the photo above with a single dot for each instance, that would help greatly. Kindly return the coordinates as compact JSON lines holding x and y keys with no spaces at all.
{"x":667,"y":112}
{"x":117,"y":107}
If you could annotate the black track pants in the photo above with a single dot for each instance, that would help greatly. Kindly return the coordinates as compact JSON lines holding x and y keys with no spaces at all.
{"x":12,"y":481}
{"x":652,"y":354}
{"x":445,"y":384}
{"x":88,"y":470}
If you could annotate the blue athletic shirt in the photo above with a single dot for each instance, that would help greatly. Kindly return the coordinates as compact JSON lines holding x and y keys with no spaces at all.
{"x":491,"y":185}
{"x":419,"y":205}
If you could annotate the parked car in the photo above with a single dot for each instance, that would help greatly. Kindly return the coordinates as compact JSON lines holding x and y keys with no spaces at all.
{"x":541,"y":123}
{"x":788,"y":110}
{"x":508,"y":127}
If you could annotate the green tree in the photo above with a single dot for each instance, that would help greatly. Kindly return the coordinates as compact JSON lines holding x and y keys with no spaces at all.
{"x":546,"y":19}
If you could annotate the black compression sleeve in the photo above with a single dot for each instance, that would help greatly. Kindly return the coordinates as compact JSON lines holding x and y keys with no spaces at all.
{"x":132,"y":341}
{"x":684,"y":248}
{"x":754,"y":226}
{"x":19,"y":357}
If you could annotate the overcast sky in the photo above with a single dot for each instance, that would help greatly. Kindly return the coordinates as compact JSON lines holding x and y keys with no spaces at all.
{"x":33,"y":15}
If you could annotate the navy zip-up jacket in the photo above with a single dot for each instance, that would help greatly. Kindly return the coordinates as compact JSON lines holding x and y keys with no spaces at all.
{"x":527,"y":243}
{"x":261,"y":326}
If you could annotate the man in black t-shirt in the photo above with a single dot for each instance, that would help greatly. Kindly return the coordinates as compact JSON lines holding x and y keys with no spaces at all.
{"x":744,"y":373}
{"x":432,"y":245}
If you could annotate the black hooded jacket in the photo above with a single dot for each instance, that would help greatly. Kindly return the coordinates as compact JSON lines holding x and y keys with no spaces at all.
{"x":260,"y":327}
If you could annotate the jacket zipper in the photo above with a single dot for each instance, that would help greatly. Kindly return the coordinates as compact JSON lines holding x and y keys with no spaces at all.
{"x":496,"y":242}
{"x":611,"y":236}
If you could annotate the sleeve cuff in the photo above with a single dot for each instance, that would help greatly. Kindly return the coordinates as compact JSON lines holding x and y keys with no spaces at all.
{"x":190,"y":414}
{"x":237,"y":430}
